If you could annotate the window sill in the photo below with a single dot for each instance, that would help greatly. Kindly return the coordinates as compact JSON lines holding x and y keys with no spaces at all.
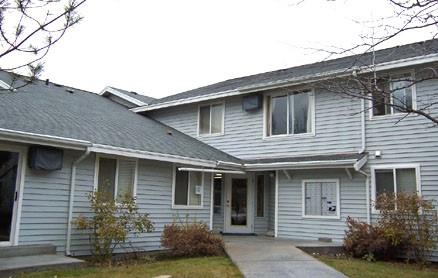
{"x":186,"y":207}
{"x":389,"y":116}
{"x":300,"y":135}
{"x":210,"y":135}
{"x":321,"y":217}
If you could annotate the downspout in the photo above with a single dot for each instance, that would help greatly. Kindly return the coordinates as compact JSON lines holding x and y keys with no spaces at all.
{"x":367,"y":192}
{"x":363,"y":135}
{"x":362,"y":150}
{"x":71,"y":200}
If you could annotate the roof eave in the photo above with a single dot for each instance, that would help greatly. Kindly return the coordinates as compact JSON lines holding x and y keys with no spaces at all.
{"x":295,"y":81}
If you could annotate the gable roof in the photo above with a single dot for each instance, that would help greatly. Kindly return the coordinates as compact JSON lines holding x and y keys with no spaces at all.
{"x":384,"y":57}
{"x":140,"y":97}
{"x":58,"y":112}
{"x":134,"y":99}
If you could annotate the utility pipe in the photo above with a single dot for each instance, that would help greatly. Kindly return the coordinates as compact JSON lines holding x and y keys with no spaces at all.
{"x":72,"y":198}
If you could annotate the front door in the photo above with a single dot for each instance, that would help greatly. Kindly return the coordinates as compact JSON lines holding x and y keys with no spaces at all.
{"x":9,"y":180}
{"x":238,"y":205}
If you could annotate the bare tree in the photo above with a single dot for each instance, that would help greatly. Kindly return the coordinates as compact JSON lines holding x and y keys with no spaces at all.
{"x":30,"y":28}
{"x":387,"y":93}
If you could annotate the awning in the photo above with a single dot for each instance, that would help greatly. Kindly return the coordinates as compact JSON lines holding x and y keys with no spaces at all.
{"x":344,"y":160}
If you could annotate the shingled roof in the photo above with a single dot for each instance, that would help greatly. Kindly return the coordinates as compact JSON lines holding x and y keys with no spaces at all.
{"x":55,"y":110}
{"x":417,"y":49}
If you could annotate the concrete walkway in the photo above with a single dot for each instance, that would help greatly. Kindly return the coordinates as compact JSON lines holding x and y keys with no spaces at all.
{"x":259,"y":257}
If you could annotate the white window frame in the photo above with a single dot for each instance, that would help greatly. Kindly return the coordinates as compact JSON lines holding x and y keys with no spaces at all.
{"x":393,"y":167}
{"x":222,"y":103}
{"x":338,"y":199}
{"x":267,"y":116}
{"x":201,"y":206}
{"x":396,"y":114}
{"x":96,"y":174}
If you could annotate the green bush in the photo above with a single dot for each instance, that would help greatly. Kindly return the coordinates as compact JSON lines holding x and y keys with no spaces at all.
{"x":111,"y":223}
{"x":191,"y":239}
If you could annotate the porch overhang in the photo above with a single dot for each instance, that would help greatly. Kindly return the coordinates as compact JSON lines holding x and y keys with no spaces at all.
{"x":349,"y":160}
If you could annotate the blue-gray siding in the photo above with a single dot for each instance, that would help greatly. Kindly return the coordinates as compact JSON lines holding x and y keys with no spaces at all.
{"x":337,"y":128}
{"x":291,"y":223}
{"x":45,"y":204}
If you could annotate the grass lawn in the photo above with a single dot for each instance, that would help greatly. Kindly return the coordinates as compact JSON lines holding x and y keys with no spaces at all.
{"x":193,"y":267}
{"x":363,"y":269}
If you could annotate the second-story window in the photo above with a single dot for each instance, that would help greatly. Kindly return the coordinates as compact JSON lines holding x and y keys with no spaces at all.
{"x":394,"y":95}
{"x":290,"y":113}
{"x":211,"y":119}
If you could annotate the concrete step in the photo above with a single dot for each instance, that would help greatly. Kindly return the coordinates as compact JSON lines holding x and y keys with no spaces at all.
{"x":27,"y":250}
{"x":14,"y":265}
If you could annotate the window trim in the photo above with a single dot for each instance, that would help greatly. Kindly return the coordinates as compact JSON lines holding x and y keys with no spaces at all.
{"x":210,"y":104}
{"x":201,"y":206}
{"x":264,"y":196}
{"x":393,"y":167}
{"x":96,"y":173}
{"x":267,"y":116}
{"x":395,"y":114}
{"x":338,"y":199}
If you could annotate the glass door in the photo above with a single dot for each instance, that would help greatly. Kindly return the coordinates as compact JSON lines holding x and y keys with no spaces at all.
{"x":238,"y":208}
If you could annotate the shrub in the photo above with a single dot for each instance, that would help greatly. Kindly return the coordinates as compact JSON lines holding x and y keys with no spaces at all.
{"x":409,"y":222}
{"x":363,"y":240}
{"x":111,"y":223}
{"x":191,"y":239}
{"x":406,"y":224}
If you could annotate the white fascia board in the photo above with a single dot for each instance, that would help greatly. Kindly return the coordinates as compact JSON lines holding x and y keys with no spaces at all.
{"x":42,"y":139}
{"x":295,"y":81}
{"x":105,"y":149}
{"x":300,"y":165}
{"x":204,"y":170}
{"x":122,"y":96}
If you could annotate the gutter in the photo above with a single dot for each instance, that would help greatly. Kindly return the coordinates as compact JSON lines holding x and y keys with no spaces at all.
{"x":71,"y":200}
{"x":49,"y":140}
{"x":294,"y":81}
{"x":300,"y":165}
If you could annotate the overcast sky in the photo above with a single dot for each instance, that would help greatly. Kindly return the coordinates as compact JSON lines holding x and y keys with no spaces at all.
{"x":165,"y":47}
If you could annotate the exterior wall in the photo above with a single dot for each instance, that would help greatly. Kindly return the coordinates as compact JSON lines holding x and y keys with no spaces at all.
{"x":411,"y":141}
{"x":46,"y":199}
{"x":291,"y":223}
{"x":336,"y":130}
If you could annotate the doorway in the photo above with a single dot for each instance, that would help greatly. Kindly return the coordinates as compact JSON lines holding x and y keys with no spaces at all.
{"x":9,"y":186}
{"x":238,"y":205}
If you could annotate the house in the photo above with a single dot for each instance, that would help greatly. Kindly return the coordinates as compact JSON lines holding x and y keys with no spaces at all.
{"x":268,"y":154}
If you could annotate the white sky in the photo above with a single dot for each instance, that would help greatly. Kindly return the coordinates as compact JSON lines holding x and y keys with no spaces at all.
{"x":165,"y":47}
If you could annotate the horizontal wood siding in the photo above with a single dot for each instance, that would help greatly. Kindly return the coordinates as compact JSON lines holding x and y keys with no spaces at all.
{"x":291,"y":223}
{"x":412,"y":140}
{"x":46,"y":197}
{"x":337,"y":128}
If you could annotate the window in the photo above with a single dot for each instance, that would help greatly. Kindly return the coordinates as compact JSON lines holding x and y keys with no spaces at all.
{"x":217,"y":193}
{"x":394,"y":179}
{"x":188,"y":188}
{"x":211,"y":119}
{"x":290,"y":113}
{"x":116,"y":177}
{"x":395,"y":94}
{"x":321,"y":199}
{"x":260,"y":196}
